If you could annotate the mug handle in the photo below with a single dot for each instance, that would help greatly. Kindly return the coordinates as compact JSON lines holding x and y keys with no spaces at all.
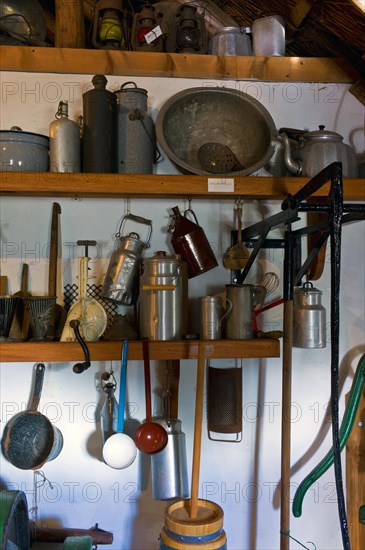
{"x":228,"y":310}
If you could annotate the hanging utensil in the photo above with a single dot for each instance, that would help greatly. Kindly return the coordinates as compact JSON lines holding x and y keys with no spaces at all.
{"x":169,"y":467}
{"x":150,"y":437}
{"x":218,"y":158}
{"x":91,"y":314}
{"x":119,"y":450}
{"x":29,"y":439}
{"x":237,"y":255}
{"x":270,"y":281}
{"x":58,"y":316}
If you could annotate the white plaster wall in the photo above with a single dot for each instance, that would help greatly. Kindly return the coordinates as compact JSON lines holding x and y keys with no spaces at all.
{"x":243,"y":477}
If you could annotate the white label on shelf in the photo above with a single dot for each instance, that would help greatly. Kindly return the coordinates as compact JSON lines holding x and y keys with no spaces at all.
{"x":220,"y":185}
{"x":152,"y":35}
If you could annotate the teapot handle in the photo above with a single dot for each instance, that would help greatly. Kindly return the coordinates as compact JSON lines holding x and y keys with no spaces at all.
{"x":138,"y":219}
{"x":293,"y":133}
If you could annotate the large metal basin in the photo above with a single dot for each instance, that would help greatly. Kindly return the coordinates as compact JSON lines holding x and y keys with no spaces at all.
{"x":197,"y":116}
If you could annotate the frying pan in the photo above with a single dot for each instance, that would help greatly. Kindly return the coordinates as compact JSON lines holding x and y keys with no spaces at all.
{"x":30,"y":439}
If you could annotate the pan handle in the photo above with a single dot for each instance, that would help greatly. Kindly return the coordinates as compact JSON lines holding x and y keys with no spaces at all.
{"x":38,"y":385}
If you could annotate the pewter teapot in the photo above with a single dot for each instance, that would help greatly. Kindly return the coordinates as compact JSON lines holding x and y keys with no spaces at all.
{"x":316,"y":150}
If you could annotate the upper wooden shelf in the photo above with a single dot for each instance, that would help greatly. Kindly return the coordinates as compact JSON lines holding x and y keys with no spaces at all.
{"x":119,"y":62}
{"x":24,"y":352}
{"x":123,"y":185}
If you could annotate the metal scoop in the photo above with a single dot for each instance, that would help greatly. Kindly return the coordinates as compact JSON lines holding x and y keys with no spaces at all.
{"x":237,"y":255}
{"x":218,"y":158}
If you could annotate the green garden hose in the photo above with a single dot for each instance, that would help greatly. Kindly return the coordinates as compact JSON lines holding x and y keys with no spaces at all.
{"x":357,"y":388}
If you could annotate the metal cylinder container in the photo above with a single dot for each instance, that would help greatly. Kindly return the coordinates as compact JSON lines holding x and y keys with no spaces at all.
{"x":269,"y":36}
{"x":212,"y":315}
{"x":99,"y":125}
{"x":169,"y":472}
{"x":64,"y":142}
{"x":163,"y":298}
{"x":240,"y":321}
{"x":135,"y":131}
{"x":309,"y":318}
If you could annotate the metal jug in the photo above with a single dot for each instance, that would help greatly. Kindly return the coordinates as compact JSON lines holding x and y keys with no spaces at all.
{"x":169,"y":467}
{"x":309,"y":318}
{"x":163,"y":298}
{"x":121,"y":283}
{"x":135,"y":131}
{"x":316,"y":150}
{"x":231,"y":41}
{"x":189,"y":240}
{"x":240,"y":321}
{"x":212,"y":315}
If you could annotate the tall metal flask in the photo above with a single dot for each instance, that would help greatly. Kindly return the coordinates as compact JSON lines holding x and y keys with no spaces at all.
{"x":135,"y":131}
{"x":163,"y":298}
{"x":169,"y":467}
{"x":99,"y":128}
{"x":309,"y":318}
{"x":64,"y":142}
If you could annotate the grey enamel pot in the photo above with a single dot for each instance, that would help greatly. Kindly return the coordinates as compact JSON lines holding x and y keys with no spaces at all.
{"x":23,"y":151}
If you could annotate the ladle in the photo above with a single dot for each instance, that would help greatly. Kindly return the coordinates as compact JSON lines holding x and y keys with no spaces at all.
{"x":150,"y":437}
{"x":119,"y":450}
{"x":236,"y":256}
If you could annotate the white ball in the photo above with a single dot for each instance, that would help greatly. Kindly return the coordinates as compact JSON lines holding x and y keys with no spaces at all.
{"x":119,"y":451}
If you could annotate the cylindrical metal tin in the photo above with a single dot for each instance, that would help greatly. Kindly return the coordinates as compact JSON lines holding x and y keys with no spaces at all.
{"x":169,"y":467}
{"x":99,"y":126}
{"x":163,"y":298}
{"x":309,"y":318}
{"x":240,"y":321}
{"x":269,"y":36}
{"x":135,"y":131}
{"x":64,"y":142}
{"x":231,"y":41}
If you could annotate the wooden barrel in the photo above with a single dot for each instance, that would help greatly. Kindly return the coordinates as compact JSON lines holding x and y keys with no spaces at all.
{"x":205,"y":528}
{"x":168,"y":542}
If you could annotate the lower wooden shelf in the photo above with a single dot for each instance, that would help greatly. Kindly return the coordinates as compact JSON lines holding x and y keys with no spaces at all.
{"x":21,"y":352}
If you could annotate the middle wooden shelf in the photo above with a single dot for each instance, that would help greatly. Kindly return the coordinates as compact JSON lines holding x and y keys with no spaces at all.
{"x":52,"y":352}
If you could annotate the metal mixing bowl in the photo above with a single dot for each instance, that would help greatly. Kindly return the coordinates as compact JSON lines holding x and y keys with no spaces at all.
{"x":216,"y":130}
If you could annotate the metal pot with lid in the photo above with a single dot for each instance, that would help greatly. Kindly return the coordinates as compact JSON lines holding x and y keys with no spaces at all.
{"x":23,"y":151}
{"x":315,"y":150}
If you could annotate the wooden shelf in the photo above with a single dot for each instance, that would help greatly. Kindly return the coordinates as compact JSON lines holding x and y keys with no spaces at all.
{"x":20,"y":352}
{"x":121,"y":185}
{"x":118,"y":62}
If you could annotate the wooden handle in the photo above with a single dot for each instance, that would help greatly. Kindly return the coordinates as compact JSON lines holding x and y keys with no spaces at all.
{"x":286,"y":425}
{"x":158,"y":287}
{"x":197,"y":431}
{"x":70,"y":25}
{"x":50,"y":534}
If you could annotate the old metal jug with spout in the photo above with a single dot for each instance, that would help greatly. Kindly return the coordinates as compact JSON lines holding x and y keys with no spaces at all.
{"x":316,"y":150}
{"x":121,"y":283}
{"x":309,"y":318}
{"x":189,"y":240}
{"x":163,"y":298}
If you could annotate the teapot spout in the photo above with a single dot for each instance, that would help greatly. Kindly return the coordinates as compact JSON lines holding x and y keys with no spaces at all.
{"x":294,"y":166}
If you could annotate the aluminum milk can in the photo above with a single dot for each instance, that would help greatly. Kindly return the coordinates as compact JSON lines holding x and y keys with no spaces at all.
{"x":135,"y":131}
{"x":121,"y":283}
{"x":163,"y":298}
{"x":309,"y":318}
{"x":64,"y":142}
{"x":99,"y":125}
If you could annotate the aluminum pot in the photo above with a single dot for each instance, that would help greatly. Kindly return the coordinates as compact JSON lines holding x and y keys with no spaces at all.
{"x":23,"y":151}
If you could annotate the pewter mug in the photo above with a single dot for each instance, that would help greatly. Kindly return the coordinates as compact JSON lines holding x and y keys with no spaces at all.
{"x":212,"y":315}
{"x":240,"y":321}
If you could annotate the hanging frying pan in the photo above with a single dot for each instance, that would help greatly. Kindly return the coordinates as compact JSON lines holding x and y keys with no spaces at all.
{"x":30,"y":439}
